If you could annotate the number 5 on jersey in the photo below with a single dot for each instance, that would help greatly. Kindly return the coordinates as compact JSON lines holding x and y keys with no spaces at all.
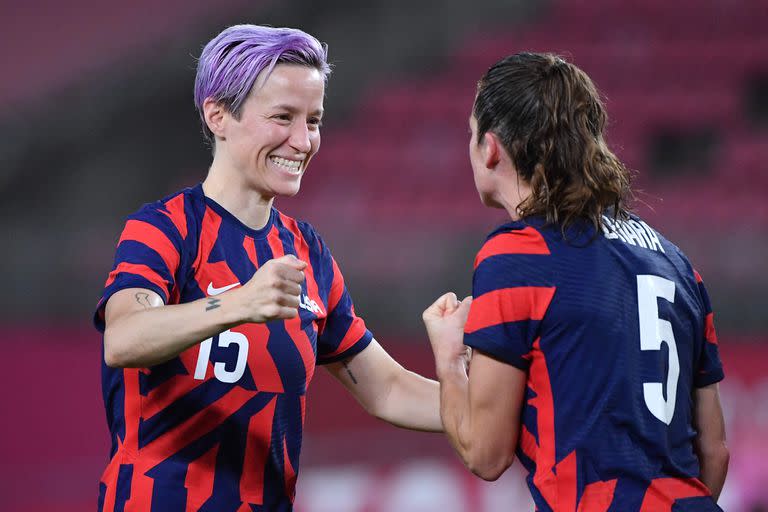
{"x":654,"y":331}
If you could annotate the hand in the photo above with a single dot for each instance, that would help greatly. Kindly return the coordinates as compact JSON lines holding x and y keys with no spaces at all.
{"x":273,"y":292}
{"x":444,"y":321}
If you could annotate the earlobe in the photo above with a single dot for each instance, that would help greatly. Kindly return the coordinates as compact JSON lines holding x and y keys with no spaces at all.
{"x":214,"y":115}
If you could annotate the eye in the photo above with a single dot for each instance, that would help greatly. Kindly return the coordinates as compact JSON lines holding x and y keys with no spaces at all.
{"x":315,"y":122}
{"x":282,"y":117}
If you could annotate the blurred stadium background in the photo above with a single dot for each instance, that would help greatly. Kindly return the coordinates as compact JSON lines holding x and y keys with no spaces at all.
{"x":97,"y":118}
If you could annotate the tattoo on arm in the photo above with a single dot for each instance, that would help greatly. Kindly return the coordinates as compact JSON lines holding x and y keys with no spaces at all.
{"x":349,"y":372}
{"x":143,"y":299}
{"x":212,"y":304}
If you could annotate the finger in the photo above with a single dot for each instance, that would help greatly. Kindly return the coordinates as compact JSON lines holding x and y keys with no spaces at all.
{"x":286,"y":313}
{"x":292,"y":261}
{"x":439,"y":307}
{"x":291,"y":301}
{"x":289,"y":273}
{"x":288,"y":286}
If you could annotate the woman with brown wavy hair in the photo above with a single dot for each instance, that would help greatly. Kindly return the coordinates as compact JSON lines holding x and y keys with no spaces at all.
{"x":595,"y":356}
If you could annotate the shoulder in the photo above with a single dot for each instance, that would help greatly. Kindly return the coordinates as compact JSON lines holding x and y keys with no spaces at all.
{"x":513,"y":238}
{"x":174,"y":214}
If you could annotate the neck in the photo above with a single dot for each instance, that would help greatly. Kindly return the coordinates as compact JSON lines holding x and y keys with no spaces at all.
{"x":228,"y":187}
{"x":512,"y":194}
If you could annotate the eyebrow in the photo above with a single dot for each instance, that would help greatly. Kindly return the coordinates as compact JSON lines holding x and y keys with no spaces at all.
{"x":292,"y":109}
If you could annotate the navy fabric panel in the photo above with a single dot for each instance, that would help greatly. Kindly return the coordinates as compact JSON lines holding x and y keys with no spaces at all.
{"x":123,"y":491}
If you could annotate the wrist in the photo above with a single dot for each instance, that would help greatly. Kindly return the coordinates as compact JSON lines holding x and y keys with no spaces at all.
{"x":449,"y":368}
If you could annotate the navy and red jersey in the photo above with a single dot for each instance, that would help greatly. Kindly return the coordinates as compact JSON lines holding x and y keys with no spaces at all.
{"x":615,"y":332}
{"x":219,"y":427}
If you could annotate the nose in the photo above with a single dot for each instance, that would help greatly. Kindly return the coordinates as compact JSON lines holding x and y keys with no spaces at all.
{"x":300,"y":138}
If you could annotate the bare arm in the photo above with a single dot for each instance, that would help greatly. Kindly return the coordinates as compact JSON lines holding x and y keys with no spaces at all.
{"x":388,"y":391}
{"x":480,"y":411}
{"x":710,"y":445}
{"x":141,"y":331}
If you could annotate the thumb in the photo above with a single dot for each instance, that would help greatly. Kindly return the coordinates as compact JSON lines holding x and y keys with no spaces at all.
{"x":293,"y":261}
{"x":464,"y":307}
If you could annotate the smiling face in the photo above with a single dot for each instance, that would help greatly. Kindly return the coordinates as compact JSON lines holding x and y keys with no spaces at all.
{"x":278,"y":132}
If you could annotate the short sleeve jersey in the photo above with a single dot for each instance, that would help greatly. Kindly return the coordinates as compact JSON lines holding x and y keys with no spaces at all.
{"x":220,"y":426}
{"x":615,"y":332}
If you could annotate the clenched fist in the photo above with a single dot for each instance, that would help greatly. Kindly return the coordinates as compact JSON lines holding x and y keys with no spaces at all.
{"x":273,"y":292}
{"x":444,"y":321}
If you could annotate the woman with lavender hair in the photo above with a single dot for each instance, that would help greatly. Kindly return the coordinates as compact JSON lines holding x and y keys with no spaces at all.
{"x":219,"y":306}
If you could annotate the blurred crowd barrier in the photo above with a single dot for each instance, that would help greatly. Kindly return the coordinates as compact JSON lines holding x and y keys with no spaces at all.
{"x":55,"y":442}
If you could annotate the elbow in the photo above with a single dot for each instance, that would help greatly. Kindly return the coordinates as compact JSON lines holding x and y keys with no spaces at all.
{"x":114,"y":355}
{"x":490,"y":468}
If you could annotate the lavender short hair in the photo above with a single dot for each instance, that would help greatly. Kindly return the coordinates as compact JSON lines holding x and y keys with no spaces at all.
{"x":232,"y":60}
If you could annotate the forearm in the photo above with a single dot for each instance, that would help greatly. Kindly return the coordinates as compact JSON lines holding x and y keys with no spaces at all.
{"x":454,"y":408}
{"x":154,"y":335}
{"x":412,"y":403}
{"x":713,"y":463}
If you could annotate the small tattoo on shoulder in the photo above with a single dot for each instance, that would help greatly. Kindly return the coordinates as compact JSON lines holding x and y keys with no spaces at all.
{"x":143,"y":299}
{"x":349,"y":372}
{"x":212,"y":304}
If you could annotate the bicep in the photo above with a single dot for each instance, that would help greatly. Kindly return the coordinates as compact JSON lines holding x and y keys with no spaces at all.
{"x":496,"y":392}
{"x":128,"y":301}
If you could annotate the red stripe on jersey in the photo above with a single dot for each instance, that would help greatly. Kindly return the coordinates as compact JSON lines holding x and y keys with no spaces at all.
{"x":195,"y":427}
{"x":303,"y":344}
{"x":538,"y":379}
{"x":709,"y":328}
{"x":175,"y":209}
{"x":275,"y":244}
{"x":141,"y":485}
{"x":698,"y":276}
{"x":523,"y":241}
{"x":354,"y":333}
{"x":155,"y":239}
{"x":289,"y":473}
{"x":566,"y":483}
{"x":256,"y":454}
{"x":508,"y":305}
{"x":663,"y":492}
{"x":141,"y":490}
{"x":302,"y":252}
{"x":527,"y":443}
{"x":199,"y":480}
{"x":250,"y":249}
{"x":597,"y":496}
{"x":175,"y":387}
{"x":109,"y":478}
{"x":337,"y":288}
{"x":142,"y":270}
{"x":260,"y":362}
{"x":209,"y":232}
{"x":244,"y":507}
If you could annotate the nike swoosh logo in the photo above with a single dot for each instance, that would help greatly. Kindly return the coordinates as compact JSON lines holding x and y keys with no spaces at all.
{"x":216,"y":291}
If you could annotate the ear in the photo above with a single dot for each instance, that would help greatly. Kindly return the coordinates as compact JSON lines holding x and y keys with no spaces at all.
{"x":215,"y":116}
{"x":491,"y":150}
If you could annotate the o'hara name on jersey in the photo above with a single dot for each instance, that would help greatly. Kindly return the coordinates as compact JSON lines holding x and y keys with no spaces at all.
{"x":632,"y":232}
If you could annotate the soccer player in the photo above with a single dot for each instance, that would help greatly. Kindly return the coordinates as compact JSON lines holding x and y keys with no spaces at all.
{"x":219,"y":306}
{"x":595,"y":358}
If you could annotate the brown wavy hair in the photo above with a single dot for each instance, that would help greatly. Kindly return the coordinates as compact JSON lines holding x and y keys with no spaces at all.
{"x":550,"y":119}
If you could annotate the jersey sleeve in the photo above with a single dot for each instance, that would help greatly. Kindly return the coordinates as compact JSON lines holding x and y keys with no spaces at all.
{"x":342,"y":334}
{"x":709,"y":368}
{"x":512,"y":289}
{"x":148,"y":256}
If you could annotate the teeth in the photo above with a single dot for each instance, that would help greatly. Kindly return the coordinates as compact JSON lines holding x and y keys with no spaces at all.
{"x":290,"y":165}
